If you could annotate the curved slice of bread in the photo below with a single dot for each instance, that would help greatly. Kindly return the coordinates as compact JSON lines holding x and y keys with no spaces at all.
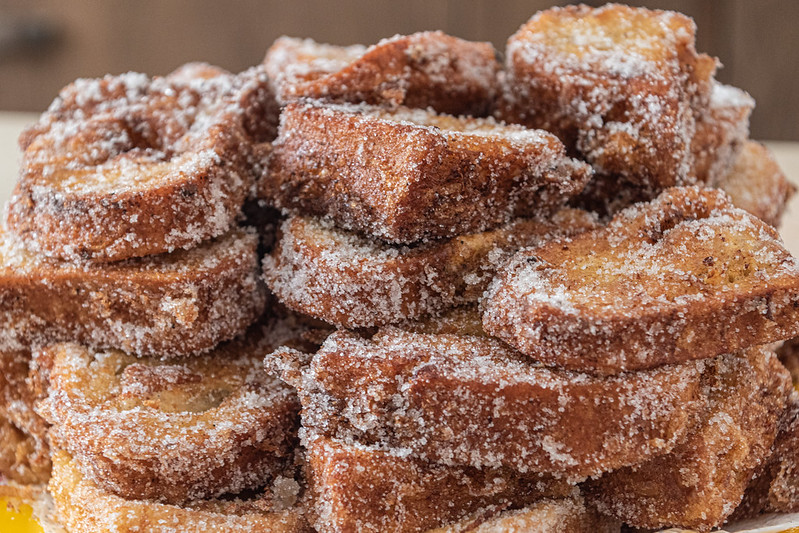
{"x":426,"y":69}
{"x":686,"y":276}
{"x":464,"y":400}
{"x":129,"y":166}
{"x":168,"y":305}
{"x":756,"y":184}
{"x":405,"y":175}
{"x":83,"y":507}
{"x":701,"y":482}
{"x":357,"y":487}
{"x":24,"y":448}
{"x":618,"y":84}
{"x":354,"y":282}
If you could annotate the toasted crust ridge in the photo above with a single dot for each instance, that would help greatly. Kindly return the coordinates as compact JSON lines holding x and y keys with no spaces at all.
{"x":686,"y":276}
{"x":354,"y":282}
{"x":425,"y":69}
{"x":169,"y":305}
{"x":127,"y":166}
{"x":406,"y":175}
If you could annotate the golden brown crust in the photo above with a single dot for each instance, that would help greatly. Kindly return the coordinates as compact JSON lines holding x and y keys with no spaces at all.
{"x":84,"y":507}
{"x":172,"y":432}
{"x":129,"y":166}
{"x":355,"y":282}
{"x":617,"y":84}
{"x":365,"y":488}
{"x":426,"y":69}
{"x":699,"y":483}
{"x":24,"y":449}
{"x":169,"y":305}
{"x":561,"y":514}
{"x":406,"y":175}
{"x":684,"y":277}
{"x":462,"y":400}
{"x":756,"y":184}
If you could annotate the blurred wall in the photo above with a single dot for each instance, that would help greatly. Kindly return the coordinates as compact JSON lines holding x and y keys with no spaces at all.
{"x":44,"y":44}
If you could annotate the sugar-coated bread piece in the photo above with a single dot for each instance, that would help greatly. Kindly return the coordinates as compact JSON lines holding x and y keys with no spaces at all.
{"x":202,"y":427}
{"x":24,"y":449}
{"x":354,"y":281}
{"x":686,"y":276}
{"x":756,"y":183}
{"x":357,"y":487}
{"x":405,"y":175}
{"x":84,"y":507}
{"x":465,"y":400}
{"x":544,"y":516}
{"x":699,"y":483}
{"x":168,"y":305}
{"x":721,"y":130}
{"x":618,"y":84}
{"x":127,"y":166}
{"x":426,"y":69}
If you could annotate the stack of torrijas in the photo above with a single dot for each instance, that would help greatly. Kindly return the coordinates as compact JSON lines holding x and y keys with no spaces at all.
{"x":555,"y":283}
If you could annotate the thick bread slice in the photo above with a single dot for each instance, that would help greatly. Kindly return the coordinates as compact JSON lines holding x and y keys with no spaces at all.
{"x":355,"y":487}
{"x":463,"y":400}
{"x":127,"y":166}
{"x":168,"y":305}
{"x":142,"y":428}
{"x":426,"y":69}
{"x":354,"y":282}
{"x":83,"y":507}
{"x":721,"y":131}
{"x":617,"y":84}
{"x":755,"y":183}
{"x":544,"y":516}
{"x":405,"y":175}
{"x":684,"y":277}
{"x":699,"y":483}
{"x":24,"y":449}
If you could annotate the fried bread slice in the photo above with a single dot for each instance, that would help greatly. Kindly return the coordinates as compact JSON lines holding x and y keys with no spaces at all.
{"x":466,"y":400}
{"x":84,"y":507}
{"x":756,"y":184}
{"x":618,"y":84}
{"x":356,"y":487}
{"x":699,"y":483}
{"x":721,"y":131}
{"x":355,"y":282}
{"x":405,"y":175}
{"x":143,"y":428}
{"x":127,"y":166}
{"x":561,"y":514}
{"x":24,"y":449}
{"x":686,"y":276}
{"x":168,"y":305}
{"x":426,"y":69}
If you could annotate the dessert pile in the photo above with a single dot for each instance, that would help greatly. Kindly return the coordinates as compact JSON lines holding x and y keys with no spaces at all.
{"x":404,"y":287}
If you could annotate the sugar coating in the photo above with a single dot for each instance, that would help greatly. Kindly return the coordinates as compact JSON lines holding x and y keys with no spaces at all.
{"x":353,"y":281}
{"x":617,"y":84}
{"x":686,"y":276}
{"x":86,"y":508}
{"x":701,"y":481}
{"x":756,"y":183}
{"x":126,"y":166}
{"x":360,"y":487}
{"x":24,"y":449}
{"x":406,"y":175}
{"x":168,"y":305}
{"x":426,"y":69}
{"x":173,"y":432}
{"x":463,"y":400}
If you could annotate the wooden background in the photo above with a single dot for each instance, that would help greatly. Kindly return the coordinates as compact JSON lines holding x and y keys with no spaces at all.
{"x":44,"y":44}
